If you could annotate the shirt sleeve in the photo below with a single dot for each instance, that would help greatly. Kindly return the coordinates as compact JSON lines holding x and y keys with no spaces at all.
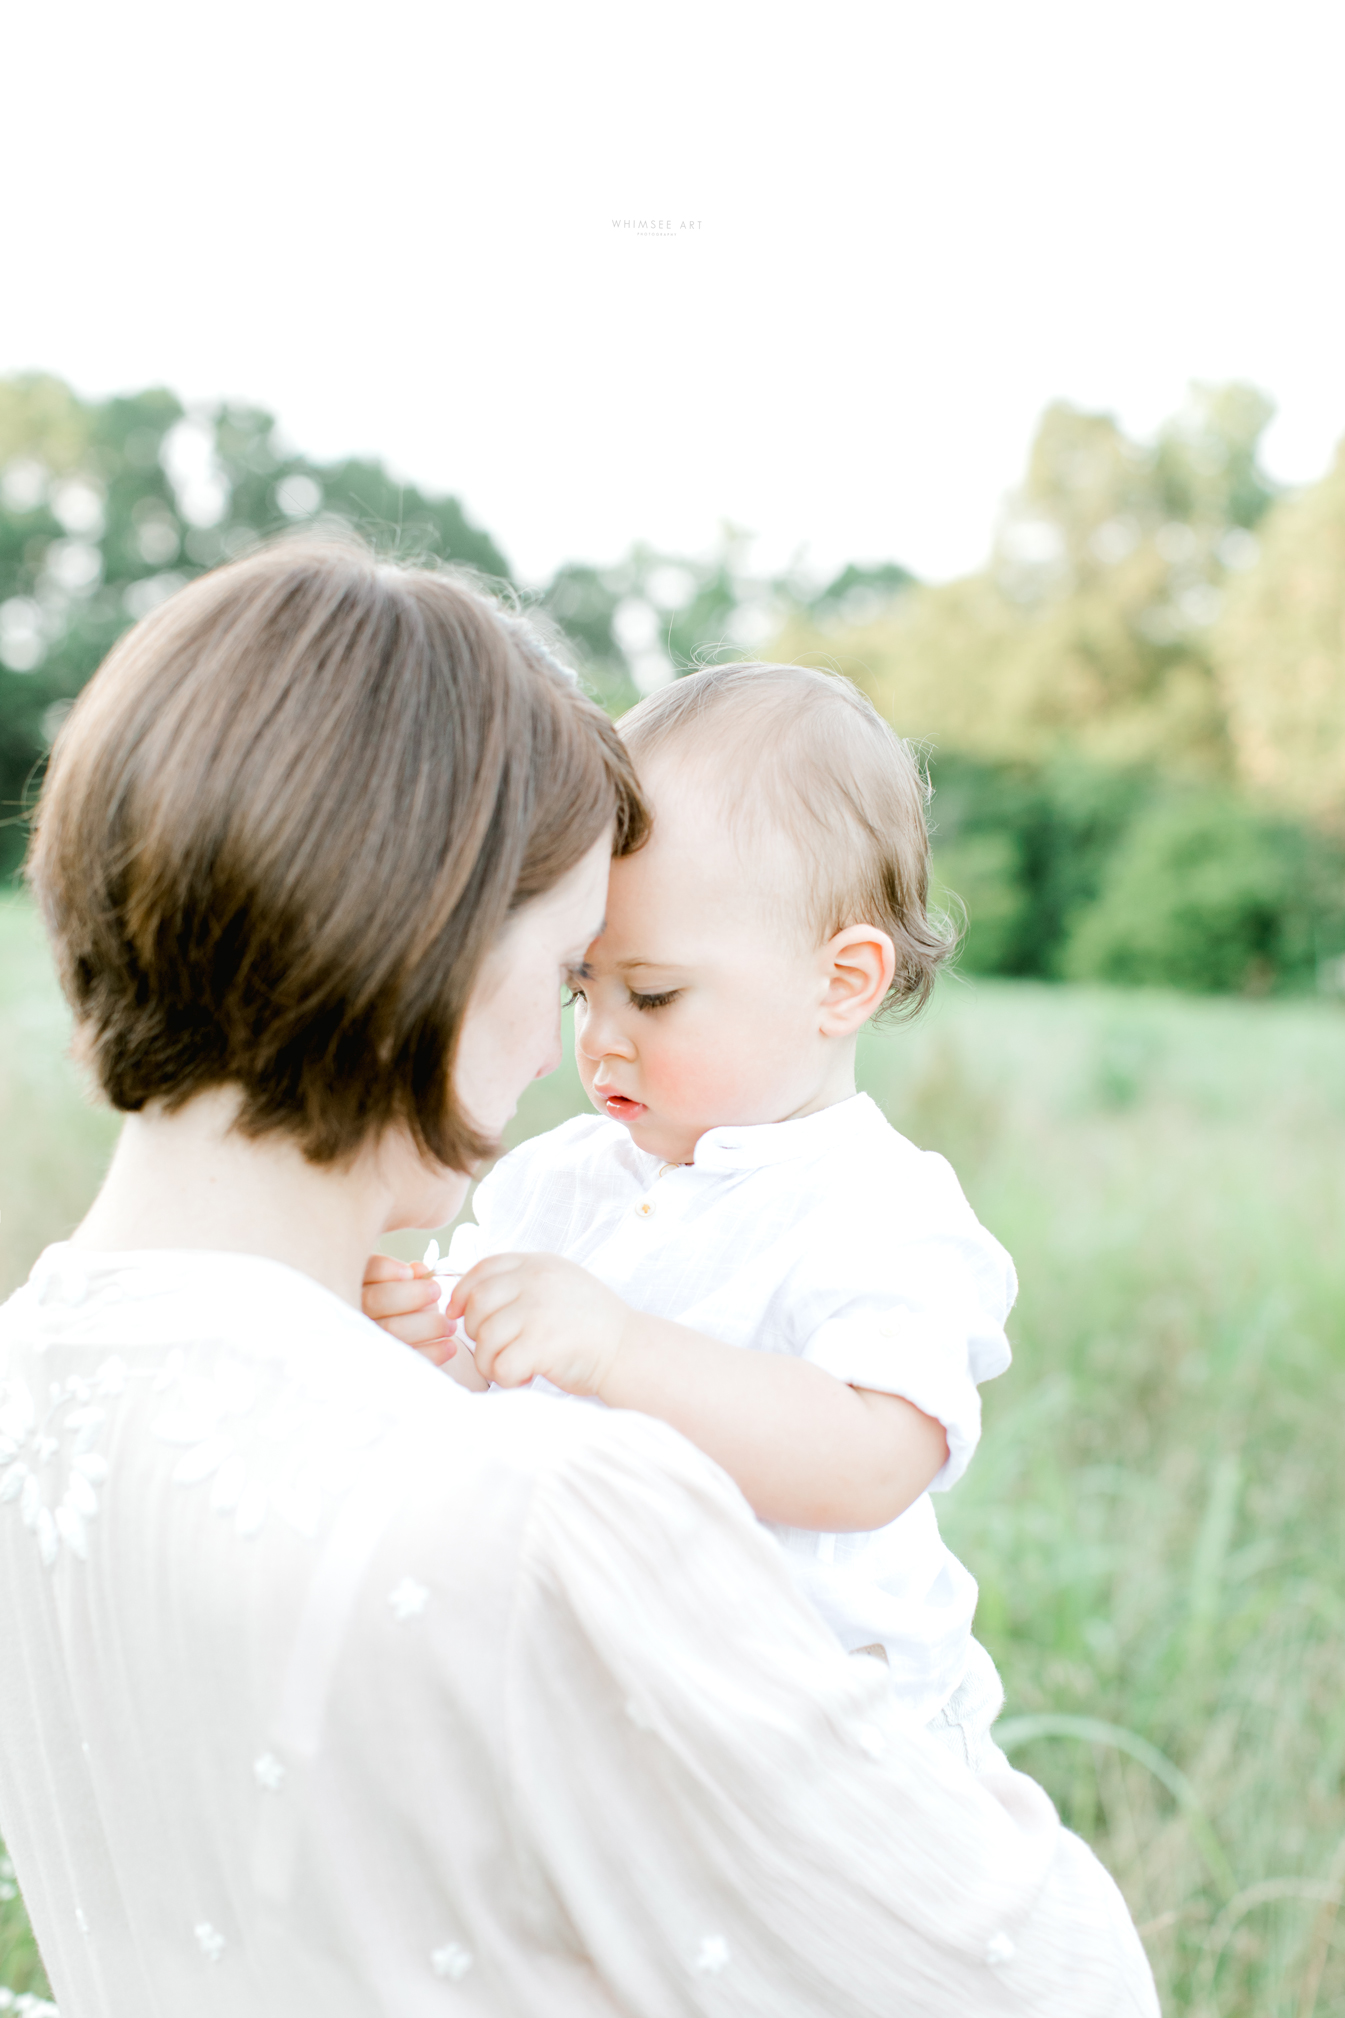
{"x":924,"y":1319}
{"x":736,"y":1817}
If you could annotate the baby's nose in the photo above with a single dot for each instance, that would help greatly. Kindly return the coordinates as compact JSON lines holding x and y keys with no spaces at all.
{"x":598,"y":1040}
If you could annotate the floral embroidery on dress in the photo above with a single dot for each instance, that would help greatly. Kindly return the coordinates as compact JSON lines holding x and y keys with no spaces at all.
{"x":268,"y":1772}
{"x":451,"y":1961}
{"x":408,"y":1599}
{"x":712,"y":1957}
{"x":296,"y":1450}
{"x":209,"y":1940}
{"x":298,"y":1447}
{"x":47,"y":1460}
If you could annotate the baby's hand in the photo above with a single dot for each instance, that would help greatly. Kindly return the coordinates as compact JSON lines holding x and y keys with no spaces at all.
{"x":534,"y":1313}
{"x":403,"y":1296}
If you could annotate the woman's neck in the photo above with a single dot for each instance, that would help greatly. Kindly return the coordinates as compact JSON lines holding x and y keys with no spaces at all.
{"x":189,"y":1179}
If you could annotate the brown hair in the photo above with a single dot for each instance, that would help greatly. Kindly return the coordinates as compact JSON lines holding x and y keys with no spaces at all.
{"x":810,"y":753}
{"x":285,"y":822}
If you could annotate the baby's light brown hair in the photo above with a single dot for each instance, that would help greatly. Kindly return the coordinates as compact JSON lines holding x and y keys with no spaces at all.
{"x":809,"y":754}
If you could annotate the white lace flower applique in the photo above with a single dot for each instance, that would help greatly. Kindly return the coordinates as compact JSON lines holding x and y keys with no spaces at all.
{"x":267,"y":1445}
{"x":48,"y":1463}
{"x":713,"y":1956}
{"x":408,"y":1600}
{"x":268,"y":1772}
{"x":452,"y":1961}
{"x":209,"y":1940}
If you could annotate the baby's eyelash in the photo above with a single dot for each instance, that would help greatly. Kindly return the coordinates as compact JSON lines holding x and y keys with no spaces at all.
{"x":655,"y":1001}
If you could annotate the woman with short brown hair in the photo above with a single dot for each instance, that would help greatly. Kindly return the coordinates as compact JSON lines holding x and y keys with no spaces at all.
{"x":326,"y":1686}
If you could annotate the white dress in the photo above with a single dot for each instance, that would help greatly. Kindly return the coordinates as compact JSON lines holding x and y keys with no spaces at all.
{"x":329,"y":1690}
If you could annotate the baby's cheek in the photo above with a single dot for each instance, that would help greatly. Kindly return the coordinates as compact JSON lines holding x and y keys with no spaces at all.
{"x":701,"y":1082}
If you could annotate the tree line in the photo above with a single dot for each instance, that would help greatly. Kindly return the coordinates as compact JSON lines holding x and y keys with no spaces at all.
{"x":1134,"y":715}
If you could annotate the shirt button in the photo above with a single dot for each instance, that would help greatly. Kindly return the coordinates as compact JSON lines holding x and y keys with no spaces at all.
{"x":644,"y":1208}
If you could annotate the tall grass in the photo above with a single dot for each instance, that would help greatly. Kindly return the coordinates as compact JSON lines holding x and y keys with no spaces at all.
{"x":1157,"y":1513}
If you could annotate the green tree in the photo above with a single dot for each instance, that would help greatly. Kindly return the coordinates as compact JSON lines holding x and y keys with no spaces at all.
{"x":1023,"y":849}
{"x":1088,"y":634}
{"x":1203,"y":894}
{"x":1279,"y":655}
{"x":106,"y":508}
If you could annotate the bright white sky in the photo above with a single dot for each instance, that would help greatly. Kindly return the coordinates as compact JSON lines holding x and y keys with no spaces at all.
{"x":917,"y":223}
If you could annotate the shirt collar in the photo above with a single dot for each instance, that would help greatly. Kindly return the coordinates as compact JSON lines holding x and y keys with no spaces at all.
{"x":809,"y":1135}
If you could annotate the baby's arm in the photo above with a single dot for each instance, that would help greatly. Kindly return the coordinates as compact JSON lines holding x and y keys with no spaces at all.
{"x":806,"y":1450}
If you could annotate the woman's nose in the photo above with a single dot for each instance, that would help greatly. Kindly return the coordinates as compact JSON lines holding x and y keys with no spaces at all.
{"x":553,"y":1057}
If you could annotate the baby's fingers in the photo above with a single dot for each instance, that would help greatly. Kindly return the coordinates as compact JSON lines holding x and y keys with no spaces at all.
{"x":486,"y":1286}
{"x":492,"y":1335}
{"x":510,"y":1365}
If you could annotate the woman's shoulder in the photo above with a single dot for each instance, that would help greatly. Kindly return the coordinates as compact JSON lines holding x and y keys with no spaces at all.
{"x":244,"y":1397}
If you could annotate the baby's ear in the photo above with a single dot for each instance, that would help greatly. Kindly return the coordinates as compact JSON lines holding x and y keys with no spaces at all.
{"x":859,"y":963}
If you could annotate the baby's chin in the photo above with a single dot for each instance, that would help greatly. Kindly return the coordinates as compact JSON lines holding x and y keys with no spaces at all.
{"x":652,"y":1133}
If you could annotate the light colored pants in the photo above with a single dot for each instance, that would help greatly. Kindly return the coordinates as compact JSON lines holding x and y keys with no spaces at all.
{"x":962,"y":1726}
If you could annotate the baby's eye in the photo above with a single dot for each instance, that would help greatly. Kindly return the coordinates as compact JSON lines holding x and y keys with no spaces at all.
{"x":654,"y":1001}
{"x":571,"y":996}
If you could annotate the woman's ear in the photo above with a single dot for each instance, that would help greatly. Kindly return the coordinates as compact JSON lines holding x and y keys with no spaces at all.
{"x":858,"y":965}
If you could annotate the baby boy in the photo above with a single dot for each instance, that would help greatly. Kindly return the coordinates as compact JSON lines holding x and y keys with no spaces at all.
{"x":737,"y":1241}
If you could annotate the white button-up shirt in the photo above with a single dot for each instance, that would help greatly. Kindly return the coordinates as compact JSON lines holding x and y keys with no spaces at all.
{"x":831,"y":1238}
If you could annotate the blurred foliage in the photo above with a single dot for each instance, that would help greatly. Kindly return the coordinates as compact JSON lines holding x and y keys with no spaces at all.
{"x":1202,"y":893}
{"x":107,"y":508}
{"x":652,"y":616}
{"x":1024,"y":847}
{"x":1136,"y":711}
{"x":1280,"y":654}
{"x":1089,"y":634}
{"x":1092,"y":873}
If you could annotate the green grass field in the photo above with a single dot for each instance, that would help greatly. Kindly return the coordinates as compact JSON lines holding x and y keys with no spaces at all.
{"x":1157,"y":1513}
